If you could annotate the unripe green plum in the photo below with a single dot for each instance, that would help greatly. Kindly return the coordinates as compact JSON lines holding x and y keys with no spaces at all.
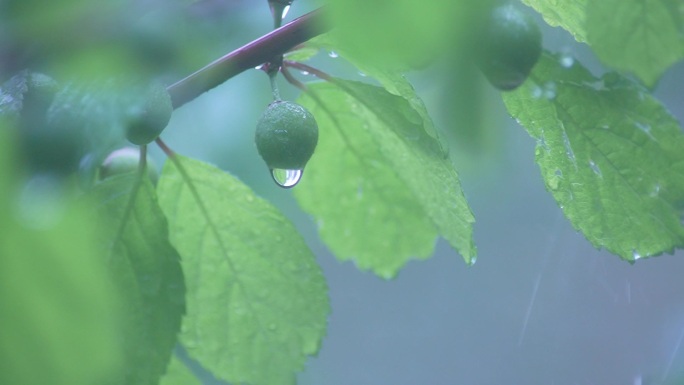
{"x":509,"y":45}
{"x":124,"y":161}
{"x":286,"y":135}
{"x":147,"y":120}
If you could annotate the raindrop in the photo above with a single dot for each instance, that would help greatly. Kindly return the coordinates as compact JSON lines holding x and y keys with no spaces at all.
{"x":598,"y":85}
{"x":536,"y":92}
{"x":550,"y":90}
{"x":645,"y":127}
{"x":567,"y":61}
{"x":594,"y":167}
{"x":542,"y":143}
{"x":279,"y":10}
{"x":635,"y":255}
{"x":656,"y":190}
{"x":554,"y":181}
{"x":568,"y":148}
{"x":333,"y":54}
{"x":362,"y":74}
{"x":286,"y":178}
{"x":304,"y":72}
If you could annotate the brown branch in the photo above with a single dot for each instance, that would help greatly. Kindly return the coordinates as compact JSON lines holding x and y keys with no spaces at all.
{"x":249,"y":56}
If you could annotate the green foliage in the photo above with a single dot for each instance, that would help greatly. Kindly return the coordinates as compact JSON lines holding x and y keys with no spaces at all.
{"x":610,"y":154}
{"x":569,"y":15}
{"x":257,"y":302}
{"x":363,"y":208}
{"x":379,"y":165}
{"x":642,"y":37}
{"x":178,"y":374}
{"x":60,"y":313}
{"x":26,"y":98}
{"x":99,"y":284}
{"x":147,"y":272}
{"x":638,"y":36}
{"x":403,"y":32}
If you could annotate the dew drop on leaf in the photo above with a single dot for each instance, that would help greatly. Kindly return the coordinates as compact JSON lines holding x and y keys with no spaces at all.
{"x":286,"y":178}
{"x":655,"y":192}
{"x":595,"y":168}
{"x":567,"y":61}
{"x":333,"y":54}
{"x":550,"y":90}
{"x":635,"y":255}
{"x":536,"y":93}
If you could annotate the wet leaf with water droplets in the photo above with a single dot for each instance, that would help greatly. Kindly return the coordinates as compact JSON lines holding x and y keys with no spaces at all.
{"x":605,"y":150}
{"x":240,"y":281}
{"x":641,"y":37}
{"x":380,"y":183}
{"x":569,"y":15}
{"x":637,"y":36}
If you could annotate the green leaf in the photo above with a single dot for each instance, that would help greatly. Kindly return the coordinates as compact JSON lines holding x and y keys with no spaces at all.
{"x":59,"y":319}
{"x":147,"y":271}
{"x":364,"y":210}
{"x":179,"y":374}
{"x":569,"y":15}
{"x":301,"y":54}
{"x":610,"y":154}
{"x":392,"y":81}
{"x":401,"y":32}
{"x":639,"y":36}
{"x":257,"y":301}
{"x":380,"y":187}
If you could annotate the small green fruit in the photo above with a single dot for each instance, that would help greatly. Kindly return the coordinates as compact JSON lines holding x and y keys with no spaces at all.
{"x":509,"y":46}
{"x":147,"y":120}
{"x":286,"y":135}
{"x":123,"y":161}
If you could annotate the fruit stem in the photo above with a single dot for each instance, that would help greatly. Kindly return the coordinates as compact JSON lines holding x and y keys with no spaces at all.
{"x":312,"y":70}
{"x":274,"y":86}
{"x":169,"y":152}
{"x":292,"y":80}
{"x":142,"y":162}
{"x":249,"y":56}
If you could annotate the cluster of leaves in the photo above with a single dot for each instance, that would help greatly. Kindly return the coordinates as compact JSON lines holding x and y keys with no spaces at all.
{"x":103,"y":287}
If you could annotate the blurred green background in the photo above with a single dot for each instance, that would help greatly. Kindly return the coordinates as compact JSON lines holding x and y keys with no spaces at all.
{"x":541,"y":305}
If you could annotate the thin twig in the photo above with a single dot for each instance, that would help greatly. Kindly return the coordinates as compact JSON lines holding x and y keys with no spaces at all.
{"x":169,"y":152}
{"x":314,"y":71}
{"x":249,"y":56}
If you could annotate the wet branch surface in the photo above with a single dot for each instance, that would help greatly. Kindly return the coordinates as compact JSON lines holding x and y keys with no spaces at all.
{"x":249,"y":56}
